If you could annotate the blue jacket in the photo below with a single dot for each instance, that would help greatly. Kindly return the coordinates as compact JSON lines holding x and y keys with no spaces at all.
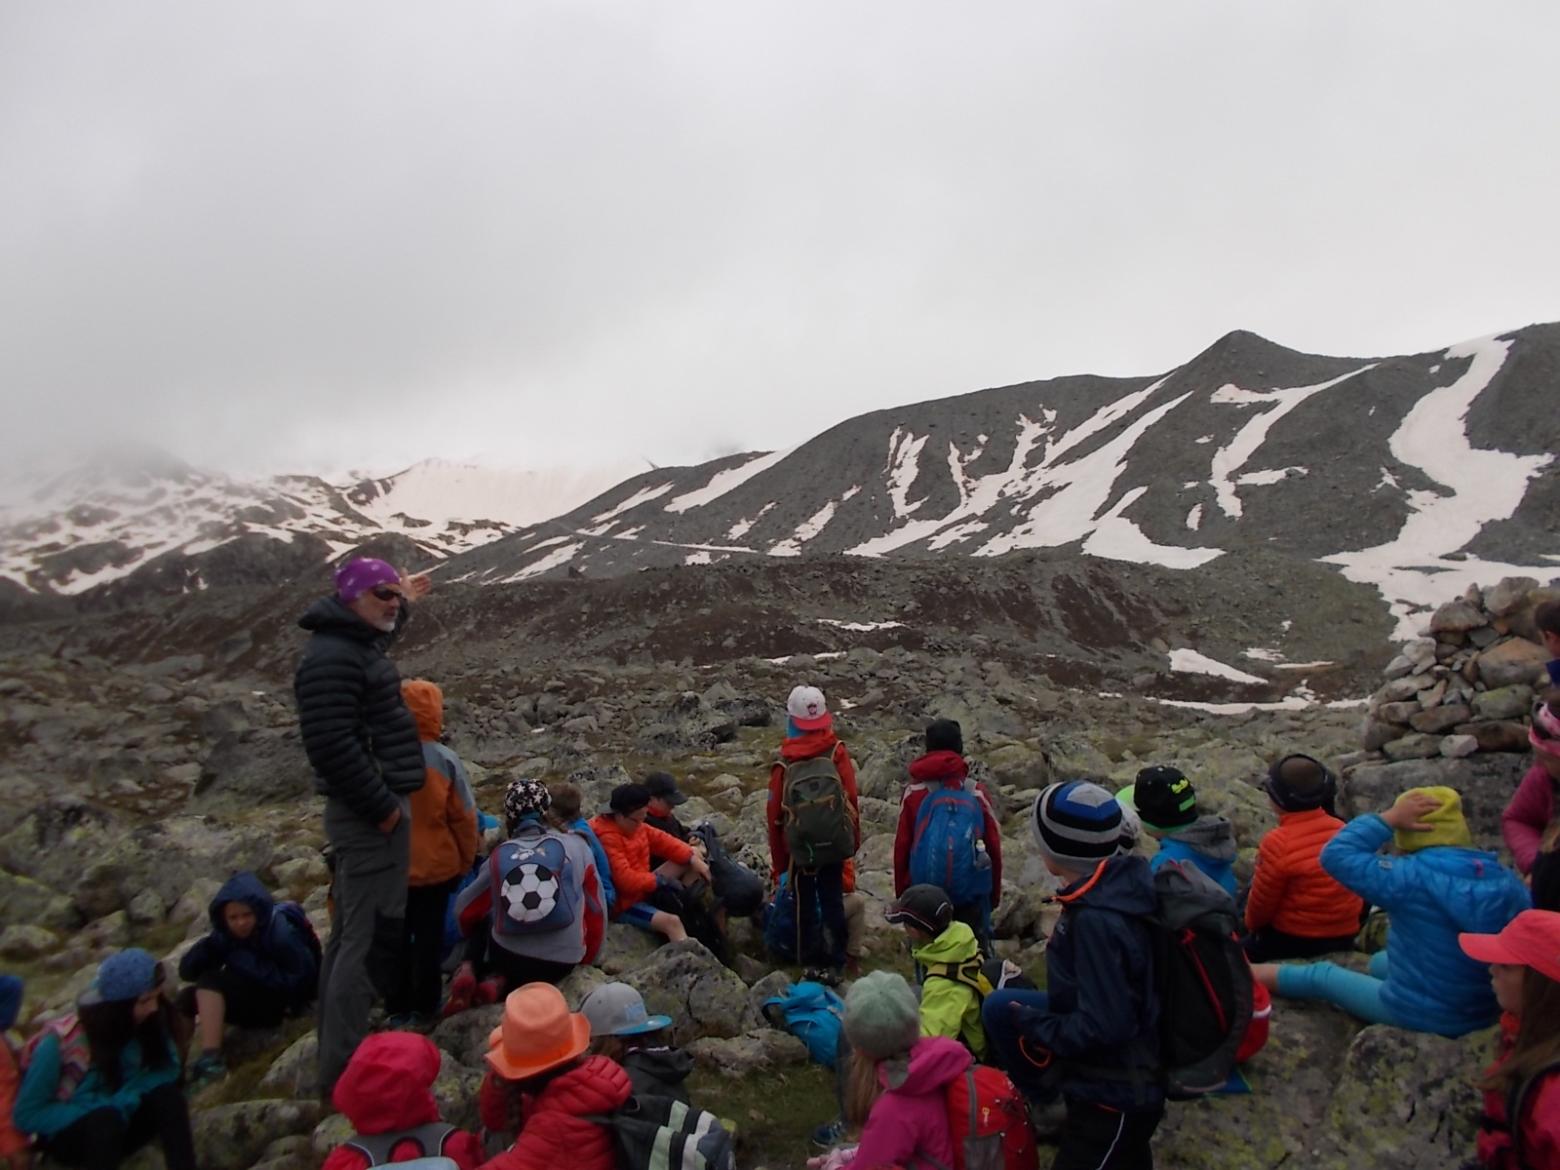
{"x":275,"y":957}
{"x":1430,"y":896}
{"x":1103,"y":1006}
{"x":38,"y":1112}
{"x":603,"y":868}
{"x":1208,"y":843}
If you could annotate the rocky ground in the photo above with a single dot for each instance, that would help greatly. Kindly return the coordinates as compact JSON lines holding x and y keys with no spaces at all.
{"x":149,"y":751}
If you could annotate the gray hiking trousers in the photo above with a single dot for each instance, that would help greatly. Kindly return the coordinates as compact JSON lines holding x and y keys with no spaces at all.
{"x":368,"y":888}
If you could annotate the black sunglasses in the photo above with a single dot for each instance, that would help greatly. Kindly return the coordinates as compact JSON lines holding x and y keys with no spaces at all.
{"x":385,"y":593}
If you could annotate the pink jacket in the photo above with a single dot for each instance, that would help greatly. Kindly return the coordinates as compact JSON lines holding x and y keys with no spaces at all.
{"x":1528,"y":815}
{"x":912,"y":1118}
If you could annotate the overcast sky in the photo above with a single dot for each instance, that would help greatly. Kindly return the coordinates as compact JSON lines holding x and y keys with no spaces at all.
{"x":299,"y":234}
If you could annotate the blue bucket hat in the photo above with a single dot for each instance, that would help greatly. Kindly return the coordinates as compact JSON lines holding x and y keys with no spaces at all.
{"x":128,"y":974}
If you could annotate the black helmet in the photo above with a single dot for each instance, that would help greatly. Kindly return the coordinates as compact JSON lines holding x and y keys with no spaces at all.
{"x":924,"y":906}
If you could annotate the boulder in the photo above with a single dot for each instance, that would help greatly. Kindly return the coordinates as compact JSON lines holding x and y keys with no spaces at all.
{"x":465,"y":1036}
{"x":1485,"y":782}
{"x":1412,"y":747}
{"x":1515,"y":660}
{"x":627,"y":948}
{"x":232,"y":1137}
{"x":1456,"y":747}
{"x":295,"y":1073}
{"x":1509,"y":595}
{"x":1457,"y":616}
{"x":23,"y":900}
{"x":1437,"y":720}
{"x":1496,"y":736}
{"x":1510,"y":702}
{"x":683,"y":980}
{"x":753,"y":1052}
{"x":22,"y":941}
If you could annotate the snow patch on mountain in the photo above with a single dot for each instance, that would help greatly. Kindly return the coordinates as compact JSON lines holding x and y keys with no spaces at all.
{"x":1186,"y":661}
{"x":726,"y":481}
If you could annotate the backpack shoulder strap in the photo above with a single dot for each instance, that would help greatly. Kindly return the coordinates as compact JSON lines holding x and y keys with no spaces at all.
{"x":377,"y":1147}
{"x":966,"y":974}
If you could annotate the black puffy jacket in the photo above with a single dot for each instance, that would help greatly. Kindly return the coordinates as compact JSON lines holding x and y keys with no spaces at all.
{"x":361,"y":739}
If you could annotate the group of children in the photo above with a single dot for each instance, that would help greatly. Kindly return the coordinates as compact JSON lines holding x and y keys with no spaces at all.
{"x":1464,"y":948}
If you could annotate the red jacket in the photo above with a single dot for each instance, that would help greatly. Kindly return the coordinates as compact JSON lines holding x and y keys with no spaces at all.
{"x":1540,"y":1125}
{"x":1290,"y":891}
{"x":1528,"y":815}
{"x":629,"y":857}
{"x":387,"y":1086}
{"x":805,"y":747}
{"x":555,"y":1133}
{"x":946,"y":770}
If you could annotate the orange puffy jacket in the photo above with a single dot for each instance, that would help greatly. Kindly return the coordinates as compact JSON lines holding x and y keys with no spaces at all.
{"x":629,"y":857}
{"x":444,"y":812}
{"x":1290,"y":891}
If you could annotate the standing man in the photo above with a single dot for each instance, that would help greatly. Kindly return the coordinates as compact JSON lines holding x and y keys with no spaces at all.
{"x":814,"y":825}
{"x":363,"y":745}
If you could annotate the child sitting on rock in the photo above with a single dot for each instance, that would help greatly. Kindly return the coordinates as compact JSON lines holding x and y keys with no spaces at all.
{"x":1532,"y":807}
{"x":567,"y":801}
{"x":1166,"y":804}
{"x":1521,"y":1123}
{"x":621,"y":1029}
{"x":13,"y":1146}
{"x":103,"y":1082}
{"x":253,"y":969}
{"x":542,"y":1084}
{"x":898,"y":1079}
{"x":1296,"y":909}
{"x":947,"y":954}
{"x":1438,"y":887}
{"x":386,"y":1093}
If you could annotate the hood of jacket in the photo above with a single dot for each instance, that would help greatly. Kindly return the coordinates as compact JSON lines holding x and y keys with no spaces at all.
{"x":243,"y":887}
{"x":668,"y":1065}
{"x":1212,"y":836}
{"x":939,"y":767}
{"x":388,"y":1083}
{"x":808,"y":745}
{"x":955,"y":945}
{"x":1122,"y":884}
{"x":425,"y":701}
{"x":934,"y":1061}
{"x":599,"y":1085}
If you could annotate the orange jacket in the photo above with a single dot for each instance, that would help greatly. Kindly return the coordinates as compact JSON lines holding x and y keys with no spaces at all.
{"x":629,"y":857}
{"x":444,"y":813}
{"x":1290,"y":891}
{"x":805,"y":747}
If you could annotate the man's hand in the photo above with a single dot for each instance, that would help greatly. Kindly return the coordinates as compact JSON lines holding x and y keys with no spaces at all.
{"x":701,"y":867}
{"x":387,"y":826}
{"x":1408,"y":810}
{"x":417,"y":586}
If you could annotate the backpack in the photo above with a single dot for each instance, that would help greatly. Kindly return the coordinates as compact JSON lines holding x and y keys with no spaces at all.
{"x":989,"y":1122}
{"x":534,"y":887}
{"x":430,"y":1139}
{"x":75,"y":1056}
{"x":661,"y":1133}
{"x":740,"y":890}
{"x":812,"y":1013}
{"x":819,"y":825}
{"x":780,"y":922}
{"x":296,"y":914}
{"x":1203,"y":978}
{"x":982,"y":976}
{"x":946,"y":850}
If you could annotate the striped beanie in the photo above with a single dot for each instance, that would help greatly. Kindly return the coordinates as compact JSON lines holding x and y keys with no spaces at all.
{"x":1076,"y":823}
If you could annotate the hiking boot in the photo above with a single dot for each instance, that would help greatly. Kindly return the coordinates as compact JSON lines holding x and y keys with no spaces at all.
{"x":409,"y":1022}
{"x":463,"y":991}
{"x":827,"y":976}
{"x":826,"y":1137}
{"x":490,"y":990}
{"x":1047,"y":1119}
{"x":207,"y":1069}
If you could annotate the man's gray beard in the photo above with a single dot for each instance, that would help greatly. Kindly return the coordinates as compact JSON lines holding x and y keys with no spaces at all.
{"x":385,"y":627}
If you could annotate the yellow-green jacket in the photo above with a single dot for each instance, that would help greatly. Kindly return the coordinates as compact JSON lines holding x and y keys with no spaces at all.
{"x":950,"y":1008}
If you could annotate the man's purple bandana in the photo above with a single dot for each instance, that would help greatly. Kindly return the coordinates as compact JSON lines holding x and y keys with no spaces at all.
{"x":358,"y":576}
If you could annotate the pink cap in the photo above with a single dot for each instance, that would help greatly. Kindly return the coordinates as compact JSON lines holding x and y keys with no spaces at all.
{"x":1531,"y":939}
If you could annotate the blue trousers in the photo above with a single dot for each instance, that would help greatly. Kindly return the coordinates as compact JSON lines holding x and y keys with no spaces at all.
{"x":1356,"y":992}
{"x":1005,"y":1046}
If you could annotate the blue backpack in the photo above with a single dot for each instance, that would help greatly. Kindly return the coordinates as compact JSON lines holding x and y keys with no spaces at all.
{"x":946,"y":850}
{"x":812,"y":1013}
{"x":534,"y":886}
{"x":780,"y":922}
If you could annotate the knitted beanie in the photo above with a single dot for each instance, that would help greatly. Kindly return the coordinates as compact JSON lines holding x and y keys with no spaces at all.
{"x":882,"y":1019}
{"x":1447,"y":826}
{"x":1076,"y":824}
{"x":944,"y":735}
{"x":127,"y":974}
{"x":524,"y":798}
{"x":1298,"y":783}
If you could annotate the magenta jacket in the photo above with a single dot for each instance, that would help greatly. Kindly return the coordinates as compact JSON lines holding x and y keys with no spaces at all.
{"x":911,"y":1117}
{"x":1528,"y":815}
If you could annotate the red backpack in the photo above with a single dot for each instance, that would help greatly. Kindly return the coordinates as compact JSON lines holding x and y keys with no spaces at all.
{"x":989,"y":1122}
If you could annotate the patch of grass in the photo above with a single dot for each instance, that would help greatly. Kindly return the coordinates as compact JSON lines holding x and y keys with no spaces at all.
{"x":775,"y":1112}
{"x":243,"y":1080}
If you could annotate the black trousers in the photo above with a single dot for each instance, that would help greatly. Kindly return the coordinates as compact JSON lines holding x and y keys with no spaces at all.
{"x":1269,"y":943}
{"x":419,"y":982}
{"x":103,"y":1138}
{"x":246,"y":1004}
{"x":821,"y":944}
{"x":1097,"y":1138}
{"x":488,"y":958}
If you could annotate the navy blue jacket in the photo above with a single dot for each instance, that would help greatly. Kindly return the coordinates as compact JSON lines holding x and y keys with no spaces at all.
{"x":275,"y":957}
{"x":1103,"y":1008}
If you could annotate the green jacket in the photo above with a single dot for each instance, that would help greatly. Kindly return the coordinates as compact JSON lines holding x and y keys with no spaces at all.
{"x":950,"y":1008}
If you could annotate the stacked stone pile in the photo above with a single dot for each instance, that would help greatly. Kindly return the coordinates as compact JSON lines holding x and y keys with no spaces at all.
{"x":1468,"y":684}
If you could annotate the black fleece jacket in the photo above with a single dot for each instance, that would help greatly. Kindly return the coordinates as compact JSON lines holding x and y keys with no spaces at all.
{"x":361,"y":740}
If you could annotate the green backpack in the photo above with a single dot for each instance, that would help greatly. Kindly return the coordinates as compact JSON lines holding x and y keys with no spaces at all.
{"x":819,"y":824}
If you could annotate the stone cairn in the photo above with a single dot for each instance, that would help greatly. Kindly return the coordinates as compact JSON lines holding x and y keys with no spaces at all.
{"x":1467,"y":685}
